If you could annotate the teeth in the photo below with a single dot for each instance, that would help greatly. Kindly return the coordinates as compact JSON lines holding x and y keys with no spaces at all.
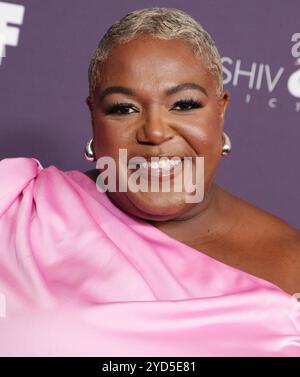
{"x":176,"y":162}
{"x":154,"y":165}
{"x":162,"y":164}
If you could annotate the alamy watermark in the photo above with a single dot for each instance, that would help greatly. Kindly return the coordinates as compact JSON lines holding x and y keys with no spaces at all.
{"x":172,"y":174}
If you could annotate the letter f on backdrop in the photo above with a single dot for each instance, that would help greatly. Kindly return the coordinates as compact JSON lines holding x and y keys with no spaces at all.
{"x":9,"y":35}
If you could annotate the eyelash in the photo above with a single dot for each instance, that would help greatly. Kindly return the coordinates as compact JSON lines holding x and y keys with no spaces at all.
{"x":186,"y":102}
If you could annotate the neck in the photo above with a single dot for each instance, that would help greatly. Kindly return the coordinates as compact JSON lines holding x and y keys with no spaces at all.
{"x":205,"y":222}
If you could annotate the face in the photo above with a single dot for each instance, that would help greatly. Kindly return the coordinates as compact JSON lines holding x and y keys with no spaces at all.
{"x":150,"y":114}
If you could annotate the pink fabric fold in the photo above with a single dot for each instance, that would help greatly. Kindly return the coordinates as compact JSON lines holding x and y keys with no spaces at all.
{"x":79,"y":277}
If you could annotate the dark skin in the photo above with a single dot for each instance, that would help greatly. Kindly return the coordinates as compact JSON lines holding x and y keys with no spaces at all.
{"x":153,"y":121}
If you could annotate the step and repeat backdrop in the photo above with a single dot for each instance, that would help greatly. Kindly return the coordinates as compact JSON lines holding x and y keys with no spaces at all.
{"x":45,"y":49}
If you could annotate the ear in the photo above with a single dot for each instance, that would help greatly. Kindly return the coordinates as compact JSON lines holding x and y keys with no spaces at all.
{"x":89,"y":103}
{"x":223,"y":103}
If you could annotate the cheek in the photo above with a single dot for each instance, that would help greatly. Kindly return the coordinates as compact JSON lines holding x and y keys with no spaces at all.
{"x":204,"y":136}
{"x":108,"y":139}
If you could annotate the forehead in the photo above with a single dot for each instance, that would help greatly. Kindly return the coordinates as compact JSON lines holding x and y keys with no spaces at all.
{"x":154,"y":61}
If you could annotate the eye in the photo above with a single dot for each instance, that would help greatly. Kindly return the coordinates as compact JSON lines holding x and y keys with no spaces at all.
{"x":121,"y":109}
{"x":187,"y":104}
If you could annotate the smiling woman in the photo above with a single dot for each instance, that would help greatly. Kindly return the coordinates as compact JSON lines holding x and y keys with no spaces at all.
{"x":163,"y":109}
{"x":127,"y":272}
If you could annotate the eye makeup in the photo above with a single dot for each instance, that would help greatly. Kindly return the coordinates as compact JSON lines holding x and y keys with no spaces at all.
{"x":121,"y":108}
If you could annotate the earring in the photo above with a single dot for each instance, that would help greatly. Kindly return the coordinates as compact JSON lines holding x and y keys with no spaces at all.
{"x":89,"y":153}
{"x":226,"y":145}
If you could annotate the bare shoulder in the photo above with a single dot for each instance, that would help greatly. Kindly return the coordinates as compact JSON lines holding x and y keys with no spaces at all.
{"x":272,"y":244}
{"x":262,"y":221}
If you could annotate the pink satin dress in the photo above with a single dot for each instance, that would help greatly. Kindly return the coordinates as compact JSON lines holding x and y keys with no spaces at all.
{"x":79,"y":277}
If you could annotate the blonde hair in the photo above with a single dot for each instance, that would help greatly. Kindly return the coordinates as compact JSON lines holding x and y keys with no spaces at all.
{"x":165,"y":23}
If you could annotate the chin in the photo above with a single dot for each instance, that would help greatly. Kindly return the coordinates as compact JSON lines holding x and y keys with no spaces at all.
{"x":159,"y":205}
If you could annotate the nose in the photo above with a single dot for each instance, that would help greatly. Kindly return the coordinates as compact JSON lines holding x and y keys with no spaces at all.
{"x":155,"y":129}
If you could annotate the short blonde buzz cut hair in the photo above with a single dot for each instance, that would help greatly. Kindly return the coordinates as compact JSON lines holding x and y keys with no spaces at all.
{"x":164,"y":23}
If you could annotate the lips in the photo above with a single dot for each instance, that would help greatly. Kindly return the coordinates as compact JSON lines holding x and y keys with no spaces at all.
{"x":162,"y":161}
{"x":161,"y":165}
{"x":154,"y":157}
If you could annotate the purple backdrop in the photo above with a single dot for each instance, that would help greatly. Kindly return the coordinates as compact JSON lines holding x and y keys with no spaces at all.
{"x":44,"y":86}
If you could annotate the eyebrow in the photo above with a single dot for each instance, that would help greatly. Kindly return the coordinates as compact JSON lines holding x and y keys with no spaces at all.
{"x":130,"y":92}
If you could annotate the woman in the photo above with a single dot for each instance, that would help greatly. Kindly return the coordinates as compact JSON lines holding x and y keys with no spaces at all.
{"x":145,"y":273}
